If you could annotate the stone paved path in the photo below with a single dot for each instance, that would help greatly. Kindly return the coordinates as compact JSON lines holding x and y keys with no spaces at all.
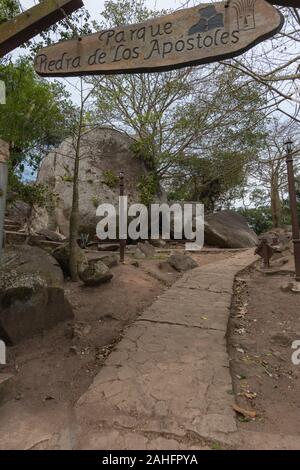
{"x":168,"y":384}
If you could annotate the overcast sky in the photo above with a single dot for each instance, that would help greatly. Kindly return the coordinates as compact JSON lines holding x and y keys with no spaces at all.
{"x":95,"y":6}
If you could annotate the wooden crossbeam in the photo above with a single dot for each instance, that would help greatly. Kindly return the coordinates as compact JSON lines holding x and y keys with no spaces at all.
{"x":33,"y":21}
{"x":286,"y":3}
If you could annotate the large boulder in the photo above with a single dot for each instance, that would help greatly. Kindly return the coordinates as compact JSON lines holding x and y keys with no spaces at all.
{"x":228,"y":229}
{"x":104,"y":154}
{"x":31,"y":294}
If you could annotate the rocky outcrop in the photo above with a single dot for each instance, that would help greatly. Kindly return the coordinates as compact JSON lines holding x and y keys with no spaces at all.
{"x":104,"y":154}
{"x":228,"y":229}
{"x":31,"y":294}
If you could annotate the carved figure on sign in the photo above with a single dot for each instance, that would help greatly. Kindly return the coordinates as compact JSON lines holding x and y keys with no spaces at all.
{"x":209,"y":19}
{"x":245,"y":14}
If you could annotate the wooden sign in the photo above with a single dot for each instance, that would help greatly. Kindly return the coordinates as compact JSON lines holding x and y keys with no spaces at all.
{"x":198,"y":35}
{"x":25,"y":26}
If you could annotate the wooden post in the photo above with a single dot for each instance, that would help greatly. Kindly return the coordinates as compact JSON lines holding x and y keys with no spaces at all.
{"x":122,"y":242}
{"x":4,"y":155}
{"x":33,"y":21}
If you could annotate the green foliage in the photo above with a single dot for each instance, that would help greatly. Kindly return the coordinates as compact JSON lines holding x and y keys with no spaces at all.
{"x":36,"y":117}
{"x":196,"y":129}
{"x":30,"y":193}
{"x":95,"y":201}
{"x":76,"y":24}
{"x":84,"y":240}
{"x":110,"y":179}
{"x":8,"y":9}
{"x":147,"y":188}
{"x":259,"y":218}
{"x":67,"y":178}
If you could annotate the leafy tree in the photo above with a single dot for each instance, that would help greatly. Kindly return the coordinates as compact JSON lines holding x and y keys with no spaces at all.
{"x":259,"y":218}
{"x":189,"y":124}
{"x":8,"y":9}
{"x":36,"y":117}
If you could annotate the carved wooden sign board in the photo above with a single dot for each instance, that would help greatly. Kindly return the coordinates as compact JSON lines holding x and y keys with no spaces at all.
{"x":198,"y":35}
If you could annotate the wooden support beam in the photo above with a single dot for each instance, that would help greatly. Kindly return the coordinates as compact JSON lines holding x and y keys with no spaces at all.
{"x":33,"y":21}
{"x":286,"y":3}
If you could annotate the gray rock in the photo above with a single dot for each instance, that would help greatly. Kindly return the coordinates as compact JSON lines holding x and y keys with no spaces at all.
{"x":291,"y":286}
{"x":107,"y":152}
{"x":95,"y":274}
{"x":31,"y":294}
{"x":147,"y":249}
{"x":109,"y":247}
{"x":32,"y":260}
{"x":228,"y":229}
{"x":51,"y":235}
{"x":111,"y":260}
{"x":158,"y":243}
{"x":18,"y":211}
{"x":62,"y":255}
{"x":138,"y":254}
{"x":182,"y":262}
{"x":79,"y":330}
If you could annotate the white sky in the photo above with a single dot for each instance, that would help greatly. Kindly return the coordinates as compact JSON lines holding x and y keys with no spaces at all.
{"x":95,"y":6}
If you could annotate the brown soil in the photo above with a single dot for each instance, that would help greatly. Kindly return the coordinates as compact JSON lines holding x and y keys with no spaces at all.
{"x":264,"y":323}
{"x":56,"y":368}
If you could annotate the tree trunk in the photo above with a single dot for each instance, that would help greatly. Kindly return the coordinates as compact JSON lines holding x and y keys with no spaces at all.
{"x":74,"y":219}
{"x":276,"y":207}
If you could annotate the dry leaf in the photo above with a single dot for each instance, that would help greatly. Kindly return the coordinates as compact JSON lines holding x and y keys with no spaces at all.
{"x":245,"y":413}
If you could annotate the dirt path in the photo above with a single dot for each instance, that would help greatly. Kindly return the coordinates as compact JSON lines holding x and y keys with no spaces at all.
{"x":264,"y":323}
{"x":53,"y":371}
{"x":167,"y":383}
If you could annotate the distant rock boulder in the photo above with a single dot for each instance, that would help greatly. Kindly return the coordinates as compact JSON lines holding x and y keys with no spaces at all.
{"x":31,"y":294}
{"x":104,"y":154}
{"x":228,"y":229}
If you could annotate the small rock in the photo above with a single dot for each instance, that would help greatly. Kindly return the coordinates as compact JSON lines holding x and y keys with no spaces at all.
{"x":95,"y":274}
{"x":139,"y":254}
{"x":182,"y":262}
{"x":51,"y":235}
{"x":111,"y":260}
{"x":136,"y":264}
{"x":74,"y":350}
{"x":158,"y":243}
{"x":291,"y":286}
{"x":78,"y":330}
{"x":62,"y":256}
{"x":147,"y":249}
